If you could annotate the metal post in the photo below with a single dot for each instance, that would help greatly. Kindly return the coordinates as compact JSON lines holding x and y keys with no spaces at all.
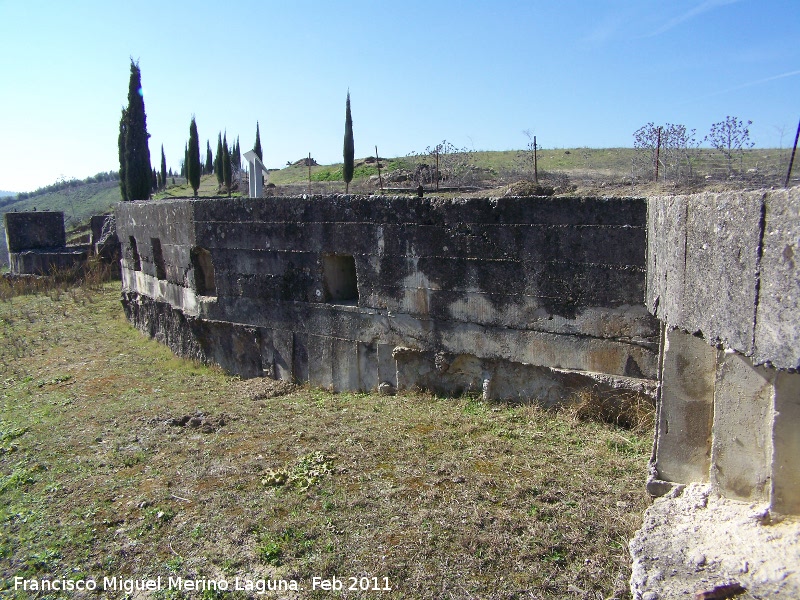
{"x":378,"y":162}
{"x":436,"y":172}
{"x":535,"y":163}
{"x":658,"y":151}
{"x":791,"y":160}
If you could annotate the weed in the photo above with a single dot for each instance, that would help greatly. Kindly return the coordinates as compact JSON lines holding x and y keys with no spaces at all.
{"x":270,"y":553}
{"x":630,"y":410}
{"x":19,"y":477}
{"x":307,"y":472}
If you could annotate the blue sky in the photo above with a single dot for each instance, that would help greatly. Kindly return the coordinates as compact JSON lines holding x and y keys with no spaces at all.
{"x":574,"y":72}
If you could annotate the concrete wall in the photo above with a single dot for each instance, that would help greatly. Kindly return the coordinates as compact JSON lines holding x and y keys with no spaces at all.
{"x":480,"y":294}
{"x":34,"y":230}
{"x":37,"y":243}
{"x":723,"y":278}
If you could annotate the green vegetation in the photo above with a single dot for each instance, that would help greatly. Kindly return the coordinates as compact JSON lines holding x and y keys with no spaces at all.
{"x":193,"y":166}
{"x":135,"y":169}
{"x":218,"y":169}
{"x":442,"y":496}
{"x":349,"y":148}
{"x":226,"y":164}
{"x":257,"y":145}
{"x":162,"y":182}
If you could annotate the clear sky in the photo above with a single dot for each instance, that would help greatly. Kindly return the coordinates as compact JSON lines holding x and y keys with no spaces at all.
{"x":476,"y":73}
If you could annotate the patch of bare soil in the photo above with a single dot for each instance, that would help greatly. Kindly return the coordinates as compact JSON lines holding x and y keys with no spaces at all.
{"x":263,"y":388}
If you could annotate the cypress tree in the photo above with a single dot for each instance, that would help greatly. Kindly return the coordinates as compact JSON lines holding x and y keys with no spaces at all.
{"x":163,"y":168}
{"x":226,"y":164}
{"x":154,"y":182}
{"x":218,"y":162}
{"x":349,"y":147}
{"x":123,"y":126}
{"x":137,"y":153}
{"x":209,"y":160}
{"x":257,"y":146}
{"x":193,"y":158}
{"x":236,"y":157}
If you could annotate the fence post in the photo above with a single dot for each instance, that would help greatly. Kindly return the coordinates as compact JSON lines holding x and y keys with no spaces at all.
{"x":791,"y":160}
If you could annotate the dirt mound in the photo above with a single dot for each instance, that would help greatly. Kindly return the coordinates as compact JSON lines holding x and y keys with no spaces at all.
{"x":261,"y":388}
{"x":528,"y":188}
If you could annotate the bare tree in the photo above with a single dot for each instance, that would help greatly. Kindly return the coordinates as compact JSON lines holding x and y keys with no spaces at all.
{"x":730,"y":137}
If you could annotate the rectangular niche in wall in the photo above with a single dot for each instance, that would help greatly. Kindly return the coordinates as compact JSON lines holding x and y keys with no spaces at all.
{"x":137,"y":261}
{"x":158,"y":258}
{"x":204,"y":282}
{"x":339,"y":272}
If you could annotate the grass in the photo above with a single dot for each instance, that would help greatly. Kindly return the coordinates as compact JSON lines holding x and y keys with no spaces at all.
{"x":120,"y":459}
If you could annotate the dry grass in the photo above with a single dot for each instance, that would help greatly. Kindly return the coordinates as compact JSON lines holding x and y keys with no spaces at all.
{"x":82,"y":278}
{"x":116,"y":458}
{"x":625,"y":409}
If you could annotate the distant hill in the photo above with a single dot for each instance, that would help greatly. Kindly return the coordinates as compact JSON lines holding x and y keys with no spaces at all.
{"x":78,"y":204}
{"x":4,"y":193}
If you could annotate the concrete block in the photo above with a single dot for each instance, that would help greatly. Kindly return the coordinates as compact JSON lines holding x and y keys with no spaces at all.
{"x":368,"y":366}
{"x":666,"y":258}
{"x":320,"y":360}
{"x":723,"y":236}
{"x":300,"y":370}
{"x":387,"y":368}
{"x":283,"y":352}
{"x":785,"y":496}
{"x":45,"y":262}
{"x":777,"y":332}
{"x":345,"y":365}
{"x":741,"y":448}
{"x":686,"y":409}
{"x":34,"y":230}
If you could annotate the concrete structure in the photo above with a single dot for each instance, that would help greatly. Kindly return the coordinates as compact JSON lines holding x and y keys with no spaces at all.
{"x":696,"y":297}
{"x":255,"y":170}
{"x":722,"y":277}
{"x":37,"y":243}
{"x":512,"y":297}
{"x":508,"y":297}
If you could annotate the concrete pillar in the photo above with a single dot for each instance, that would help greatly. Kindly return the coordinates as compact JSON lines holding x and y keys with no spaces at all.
{"x":683,"y":431}
{"x":785,"y":496}
{"x":741,"y":449}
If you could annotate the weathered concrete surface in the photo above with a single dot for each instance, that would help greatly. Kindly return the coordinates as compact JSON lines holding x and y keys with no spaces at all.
{"x":777,"y":335}
{"x":695,"y":540}
{"x":725,"y":265}
{"x":34,"y":230}
{"x":45,"y":262}
{"x":426,"y":274}
{"x":741,"y":453}
{"x":702,"y":264}
{"x":785,"y":468}
{"x":686,"y":409}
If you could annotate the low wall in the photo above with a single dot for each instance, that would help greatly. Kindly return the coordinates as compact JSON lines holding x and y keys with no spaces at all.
{"x":350,"y":292}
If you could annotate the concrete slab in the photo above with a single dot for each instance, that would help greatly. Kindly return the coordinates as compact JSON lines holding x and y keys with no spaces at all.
{"x":776,"y":331}
{"x":686,"y":410}
{"x":741,"y":449}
